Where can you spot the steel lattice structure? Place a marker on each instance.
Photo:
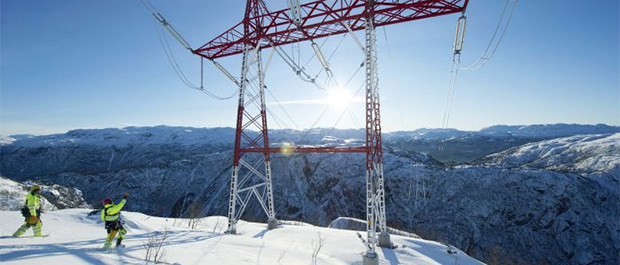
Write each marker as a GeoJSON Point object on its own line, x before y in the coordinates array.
{"type": "Point", "coordinates": [261, 29]}
{"type": "Point", "coordinates": [320, 19]}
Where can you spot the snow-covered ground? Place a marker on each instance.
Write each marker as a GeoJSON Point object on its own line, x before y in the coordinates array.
{"type": "Point", "coordinates": [584, 154]}
{"type": "Point", "coordinates": [76, 238]}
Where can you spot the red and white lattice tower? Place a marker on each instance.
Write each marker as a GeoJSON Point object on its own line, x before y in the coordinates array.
{"type": "Point", "coordinates": [261, 29]}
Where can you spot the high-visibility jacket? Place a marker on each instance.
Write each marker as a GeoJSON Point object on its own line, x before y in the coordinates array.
{"type": "Point", "coordinates": [33, 202]}
{"type": "Point", "coordinates": [111, 212]}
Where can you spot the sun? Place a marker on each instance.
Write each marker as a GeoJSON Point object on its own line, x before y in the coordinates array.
{"type": "Point", "coordinates": [339, 98]}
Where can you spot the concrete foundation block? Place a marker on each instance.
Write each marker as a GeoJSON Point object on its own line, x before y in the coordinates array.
{"type": "Point", "coordinates": [384, 240]}
{"type": "Point", "coordinates": [272, 223]}
{"type": "Point", "coordinates": [370, 259]}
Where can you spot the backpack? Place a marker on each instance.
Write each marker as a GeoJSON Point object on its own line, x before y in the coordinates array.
{"type": "Point", "coordinates": [25, 210]}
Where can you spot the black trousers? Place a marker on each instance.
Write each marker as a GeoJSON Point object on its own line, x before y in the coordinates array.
{"type": "Point", "coordinates": [113, 225]}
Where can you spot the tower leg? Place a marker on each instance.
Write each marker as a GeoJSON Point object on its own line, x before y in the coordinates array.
{"type": "Point", "coordinates": [375, 199]}
{"type": "Point", "coordinates": [251, 172]}
{"type": "Point", "coordinates": [384, 236]}
{"type": "Point", "coordinates": [232, 203]}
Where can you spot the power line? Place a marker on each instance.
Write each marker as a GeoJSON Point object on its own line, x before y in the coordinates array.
{"type": "Point", "coordinates": [161, 36]}
{"type": "Point", "coordinates": [486, 56]}
{"type": "Point", "coordinates": [488, 53]}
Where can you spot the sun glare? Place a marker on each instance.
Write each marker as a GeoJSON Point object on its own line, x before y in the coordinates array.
{"type": "Point", "coordinates": [339, 98]}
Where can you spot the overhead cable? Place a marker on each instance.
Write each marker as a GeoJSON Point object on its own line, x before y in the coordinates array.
{"type": "Point", "coordinates": [488, 53]}
{"type": "Point", "coordinates": [177, 69]}
{"type": "Point", "coordinates": [493, 45]}
{"type": "Point", "coordinates": [172, 60]}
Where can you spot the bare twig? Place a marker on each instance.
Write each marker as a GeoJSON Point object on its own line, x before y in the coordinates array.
{"type": "Point", "coordinates": [154, 246]}
{"type": "Point", "coordinates": [281, 257]}
{"type": "Point", "coordinates": [217, 225]}
{"type": "Point", "coordinates": [316, 247]}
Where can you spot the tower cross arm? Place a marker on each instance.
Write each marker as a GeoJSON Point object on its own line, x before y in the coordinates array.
{"type": "Point", "coordinates": [320, 19]}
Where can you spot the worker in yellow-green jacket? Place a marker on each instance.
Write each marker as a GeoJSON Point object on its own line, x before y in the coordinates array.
{"type": "Point", "coordinates": [111, 215]}
{"type": "Point", "coordinates": [32, 212]}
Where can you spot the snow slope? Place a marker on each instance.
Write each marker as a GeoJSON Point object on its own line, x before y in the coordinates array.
{"type": "Point", "coordinates": [549, 130]}
{"type": "Point", "coordinates": [4, 140]}
{"type": "Point", "coordinates": [76, 238]}
{"type": "Point", "coordinates": [13, 194]}
{"type": "Point", "coordinates": [584, 154]}
{"type": "Point", "coordinates": [54, 196]}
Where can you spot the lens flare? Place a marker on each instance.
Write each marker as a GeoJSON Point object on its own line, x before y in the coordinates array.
{"type": "Point", "coordinates": [287, 149]}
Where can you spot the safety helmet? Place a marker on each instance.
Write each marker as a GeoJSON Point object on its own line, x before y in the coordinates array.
{"type": "Point", "coordinates": [35, 187]}
{"type": "Point", "coordinates": [107, 201]}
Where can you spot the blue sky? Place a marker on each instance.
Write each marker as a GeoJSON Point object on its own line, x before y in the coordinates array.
{"type": "Point", "coordinates": [72, 64]}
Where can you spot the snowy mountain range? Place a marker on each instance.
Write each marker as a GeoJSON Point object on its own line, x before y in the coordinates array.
{"type": "Point", "coordinates": [512, 194]}
{"type": "Point", "coordinates": [450, 145]}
